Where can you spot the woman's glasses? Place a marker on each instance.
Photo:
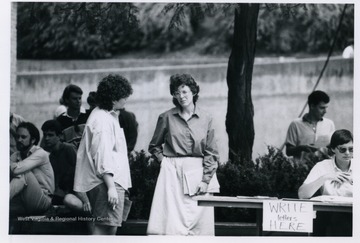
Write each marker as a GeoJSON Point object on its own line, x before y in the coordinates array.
{"type": "Point", "coordinates": [343, 149]}
{"type": "Point", "coordinates": [178, 94]}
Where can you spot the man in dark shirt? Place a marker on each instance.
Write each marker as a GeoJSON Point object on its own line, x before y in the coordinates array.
{"type": "Point", "coordinates": [74, 119]}
{"type": "Point", "coordinates": [62, 158]}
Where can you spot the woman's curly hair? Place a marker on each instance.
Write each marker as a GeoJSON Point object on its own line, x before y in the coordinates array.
{"type": "Point", "coordinates": [112, 88]}
{"type": "Point", "coordinates": [178, 80]}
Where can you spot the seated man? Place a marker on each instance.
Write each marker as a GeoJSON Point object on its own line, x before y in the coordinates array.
{"type": "Point", "coordinates": [74, 119]}
{"type": "Point", "coordinates": [63, 160]}
{"type": "Point", "coordinates": [307, 137]}
{"type": "Point", "coordinates": [32, 177]}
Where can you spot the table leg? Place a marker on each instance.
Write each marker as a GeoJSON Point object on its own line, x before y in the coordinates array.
{"type": "Point", "coordinates": [259, 231]}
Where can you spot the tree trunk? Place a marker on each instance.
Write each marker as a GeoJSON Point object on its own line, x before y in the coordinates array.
{"type": "Point", "coordinates": [240, 111]}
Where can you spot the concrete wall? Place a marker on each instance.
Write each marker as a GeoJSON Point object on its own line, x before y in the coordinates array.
{"type": "Point", "coordinates": [149, 83]}
{"type": "Point", "coordinates": [279, 94]}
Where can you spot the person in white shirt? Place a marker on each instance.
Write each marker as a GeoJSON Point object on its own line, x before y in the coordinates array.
{"type": "Point", "coordinates": [332, 177]}
{"type": "Point", "coordinates": [102, 167]}
{"type": "Point", "coordinates": [32, 177]}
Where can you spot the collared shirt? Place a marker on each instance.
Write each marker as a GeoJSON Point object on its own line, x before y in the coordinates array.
{"type": "Point", "coordinates": [102, 151]}
{"type": "Point", "coordinates": [82, 111]}
{"type": "Point", "coordinates": [37, 161]}
{"type": "Point", "coordinates": [73, 128]}
{"type": "Point", "coordinates": [302, 132]}
{"type": "Point", "coordinates": [175, 137]}
{"type": "Point", "coordinates": [329, 188]}
{"type": "Point", "coordinates": [67, 121]}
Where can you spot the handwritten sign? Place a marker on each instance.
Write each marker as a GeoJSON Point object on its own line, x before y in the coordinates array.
{"type": "Point", "coordinates": [288, 216]}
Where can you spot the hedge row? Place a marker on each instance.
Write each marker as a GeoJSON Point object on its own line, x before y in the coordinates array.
{"type": "Point", "coordinates": [272, 174]}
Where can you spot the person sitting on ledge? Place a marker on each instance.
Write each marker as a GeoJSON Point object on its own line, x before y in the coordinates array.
{"type": "Point", "coordinates": [32, 177]}
{"type": "Point", "coordinates": [63, 161]}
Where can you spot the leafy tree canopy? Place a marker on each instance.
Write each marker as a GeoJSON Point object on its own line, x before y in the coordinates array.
{"type": "Point", "coordinates": [60, 30]}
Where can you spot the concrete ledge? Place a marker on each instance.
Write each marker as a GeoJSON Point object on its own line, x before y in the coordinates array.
{"type": "Point", "coordinates": [138, 227]}
{"type": "Point", "coordinates": [39, 225]}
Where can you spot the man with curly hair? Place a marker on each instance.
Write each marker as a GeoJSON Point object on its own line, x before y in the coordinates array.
{"type": "Point", "coordinates": [102, 168]}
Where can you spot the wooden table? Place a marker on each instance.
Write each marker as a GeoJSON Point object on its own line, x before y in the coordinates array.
{"type": "Point", "coordinates": [257, 203]}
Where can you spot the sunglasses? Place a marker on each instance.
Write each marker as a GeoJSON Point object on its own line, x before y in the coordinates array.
{"type": "Point", "coordinates": [343, 150]}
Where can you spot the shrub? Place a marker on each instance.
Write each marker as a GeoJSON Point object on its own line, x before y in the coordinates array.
{"type": "Point", "coordinates": [272, 174]}
{"type": "Point", "coordinates": [282, 176]}
{"type": "Point", "coordinates": [144, 173]}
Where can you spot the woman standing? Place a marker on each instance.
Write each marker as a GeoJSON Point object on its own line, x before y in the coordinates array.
{"type": "Point", "coordinates": [185, 145]}
{"type": "Point", "coordinates": [102, 166]}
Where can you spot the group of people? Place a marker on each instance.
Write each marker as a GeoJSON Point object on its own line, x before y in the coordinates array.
{"type": "Point", "coordinates": [54, 173]}
{"type": "Point", "coordinates": [313, 140]}
{"type": "Point", "coordinates": [83, 159]}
